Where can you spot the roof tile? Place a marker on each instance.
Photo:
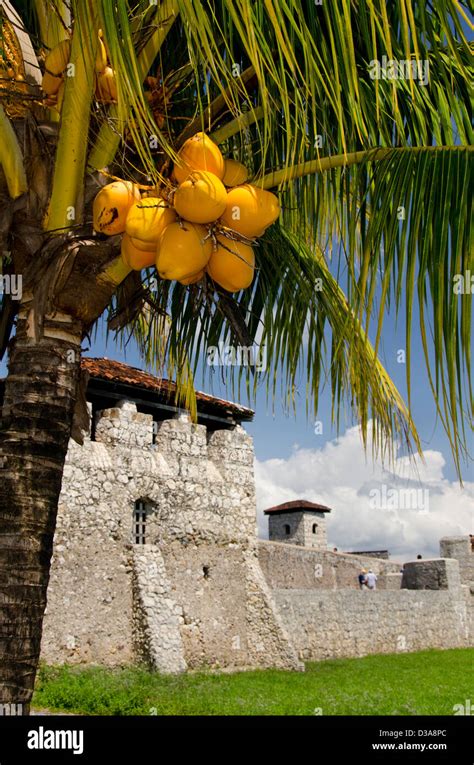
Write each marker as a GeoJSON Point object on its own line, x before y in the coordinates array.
{"type": "Point", "coordinates": [116, 371]}
{"type": "Point", "coordinates": [297, 505]}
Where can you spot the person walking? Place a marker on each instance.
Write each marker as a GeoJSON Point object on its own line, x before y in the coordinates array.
{"type": "Point", "coordinates": [371, 580]}
{"type": "Point", "coordinates": [363, 579]}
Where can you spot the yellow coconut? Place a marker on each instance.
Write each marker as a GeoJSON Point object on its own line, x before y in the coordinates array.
{"type": "Point", "coordinates": [192, 279]}
{"type": "Point", "coordinates": [51, 84]}
{"type": "Point", "coordinates": [101, 57]}
{"type": "Point", "coordinates": [135, 258]}
{"type": "Point", "coordinates": [146, 221]}
{"type": "Point", "coordinates": [58, 58]}
{"type": "Point", "coordinates": [202, 198]}
{"type": "Point", "coordinates": [106, 90]}
{"type": "Point", "coordinates": [111, 206]}
{"type": "Point", "coordinates": [235, 173]}
{"type": "Point", "coordinates": [199, 153]}
{"type": "Point", "coordinates": [250, 210]}
{"type": "Point", "coordinates": [232, 265]}
{"type": "Point", "coordinates": [183, 251]}
{"type": "Point", "coordinates": [144, 246]}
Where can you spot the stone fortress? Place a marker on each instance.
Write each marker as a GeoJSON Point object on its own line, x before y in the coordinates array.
{"type": "Point", "coordinates": [157, 560]}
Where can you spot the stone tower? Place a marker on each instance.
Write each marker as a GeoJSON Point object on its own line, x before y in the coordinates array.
{"type": "Point", "coordinates": [299, 522]}
{"type": "Point", "coordinates": [155, 551]}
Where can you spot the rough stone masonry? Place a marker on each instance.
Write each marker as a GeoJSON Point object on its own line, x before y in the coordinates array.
{"type": "Point", "coordinates": [156, 559]}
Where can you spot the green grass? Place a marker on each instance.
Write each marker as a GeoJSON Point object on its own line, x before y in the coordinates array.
{"type": "Point", "coordinates": [424, 683]}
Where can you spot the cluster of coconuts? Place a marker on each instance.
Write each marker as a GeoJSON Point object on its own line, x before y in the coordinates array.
{"type": "Point", "coordinates": [12, 72]}
{"type": "Point", "coordinates": [55, 66]}
{"type": "Point", "coordinates": [206, 222]}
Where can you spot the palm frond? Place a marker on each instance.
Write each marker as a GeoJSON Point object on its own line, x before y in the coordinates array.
{"type": "Point", "coordinates": [300, 53]}
{"type": "Point", "coordinates": [11, 158]}
{"type": "Point", "coordinates": [65, 206]}
{"type": "Point", "coordinates": [54, 21]}
{"type": "Point", "coordinates": [392, 244]}
{"type": "Point", "coordinates": [294, 311]}
{"type": "Point", "coordinates": [131, 74]}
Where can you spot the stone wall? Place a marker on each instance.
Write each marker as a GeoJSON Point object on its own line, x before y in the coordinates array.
{"type": "Point", "coordinates": [327, 616]}
{"type": "Point", "coordinates": [460, 549]}
{"type": "Point", "coordinates": [431, 574]}
{"type": "Point", "coordinates": [156, 616]}
{"type": "Point", "coordinates": [228, 615]}
{"type": "Point", "coordinates": [286, 527]}
{"type": "Point", "coordinates": [314, 530]}
{"type": "Point", "coordinates": [192, 595]}
{"type": "Point", "coordinates": [88, 615]}
{"type": "Point", "coordinates": [327, 625]}
{"type": "Point", "coordinates": [296, 528]}
{"type": "Point", "coordinates": [291, 566]}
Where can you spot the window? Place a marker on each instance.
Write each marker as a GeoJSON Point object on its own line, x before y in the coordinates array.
{"type": "Point", "coordinates": [139, 525]}
{"type": "Point", "coordinates": [315, 526]}
{"type": "Point", "coordinates": [287, 529]}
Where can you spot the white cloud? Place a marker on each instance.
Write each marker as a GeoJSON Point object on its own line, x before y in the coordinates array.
{"type": "Point", "coordinates": [341, 476]}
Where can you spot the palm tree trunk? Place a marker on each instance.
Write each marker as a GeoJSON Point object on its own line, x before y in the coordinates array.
{"type": "Point", "coordinates": [35, 428]}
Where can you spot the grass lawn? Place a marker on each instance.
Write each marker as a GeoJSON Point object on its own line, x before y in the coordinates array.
{"type": "Point", "coordinates": [424, 683]}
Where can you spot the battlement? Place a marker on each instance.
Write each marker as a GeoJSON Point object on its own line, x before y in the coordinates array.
{"type": "Point", "coordinates": [192, 480]}
{"type": "Point", "coordinates": [460, 548]}
{"type": "Point", "coordinates": [124, 425]}
{"type": "Point", "coordinates": [431, 574]}
{"type": "Point", "coordinates": [176, 438]}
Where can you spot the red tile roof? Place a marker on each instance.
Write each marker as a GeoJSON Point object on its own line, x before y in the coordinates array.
{"type": "Point", "coordinates": [117, 372]}
{"type": "Point", "coordinates": [297, 505]}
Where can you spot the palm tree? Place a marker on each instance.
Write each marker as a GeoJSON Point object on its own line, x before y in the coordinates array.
{"type": "Point", "coordinates": [373, 176]}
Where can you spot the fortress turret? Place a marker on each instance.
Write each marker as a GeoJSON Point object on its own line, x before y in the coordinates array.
{"type": "Point", "coordinates": [299, 522]}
